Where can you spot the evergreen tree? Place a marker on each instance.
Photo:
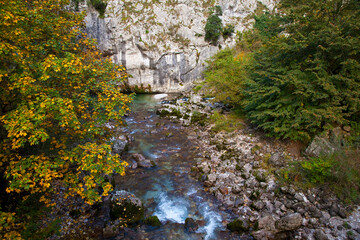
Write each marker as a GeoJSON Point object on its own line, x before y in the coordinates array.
{"type": "Point", "coordinates": [213, 27]}
{"type": "Point", "coordinates": [307, 76]}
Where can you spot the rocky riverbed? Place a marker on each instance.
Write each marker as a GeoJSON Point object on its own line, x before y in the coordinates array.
{"type": "Point", "coordinates": [239, 169]}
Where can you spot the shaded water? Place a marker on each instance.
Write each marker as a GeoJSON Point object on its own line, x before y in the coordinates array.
{"type": "Point", "coordinates": [167, 190]}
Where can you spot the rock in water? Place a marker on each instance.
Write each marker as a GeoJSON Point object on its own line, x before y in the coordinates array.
{"type": "Point", "coordinates": [190, 225]}
{"type": "Point", "coordinates": [142, 161]}
{"type": "Point", "coordinates": [153, 221]}
{"type": "Point", "coordinates": [126, 207]}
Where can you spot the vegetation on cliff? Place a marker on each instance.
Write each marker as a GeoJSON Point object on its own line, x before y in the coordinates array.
{"type": "Point", "coordinates": [58, 95]}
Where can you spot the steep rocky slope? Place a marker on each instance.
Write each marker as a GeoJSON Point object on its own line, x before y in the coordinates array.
{"type": "Point", "coordinates": [161, 42]}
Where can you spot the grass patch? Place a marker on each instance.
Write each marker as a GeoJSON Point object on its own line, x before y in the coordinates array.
{"type": "Point", "coordinates": [226, 122]}
{"type": "Point", "coordinates": [339, 172]}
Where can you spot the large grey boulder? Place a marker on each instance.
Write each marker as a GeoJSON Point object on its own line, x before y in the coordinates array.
{"type": "Point", "coordinates": [120, 145]}
{"type": "Point", "coordinates": [289, 222]}
{"type": "Point", "coordinates": [267, 223]}
{"type": "Point", "coordinates": [320, 146]}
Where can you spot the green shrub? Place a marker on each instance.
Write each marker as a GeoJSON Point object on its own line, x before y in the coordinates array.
{"type": "Point", "coordinates": [226, 75]}
{"type": "Point", "coordinates": [228, 30]}
{"type": "Point", "coordinates": [213, 29]}
{"type": "Point", "coordinates": [248, 40]}
{"type": "Point", "coordinates": [227, 123]}
{"type": "Point", "coordinates": [354, 138]}
{"type": "Point", "coordinates": [339, 172]}
{"type": "Point", "coordinates": [318, 170]}
{"type": "Point", "coordinates": [100, 6]}
{"type": "Point", "coordinates": [218, 10]}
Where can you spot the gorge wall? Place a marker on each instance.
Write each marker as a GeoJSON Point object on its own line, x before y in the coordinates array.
{"type": "Point", "coordinates": [161, 42]}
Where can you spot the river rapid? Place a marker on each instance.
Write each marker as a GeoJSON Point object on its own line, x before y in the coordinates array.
{"type": "Point", "coordinates": [167, 190]}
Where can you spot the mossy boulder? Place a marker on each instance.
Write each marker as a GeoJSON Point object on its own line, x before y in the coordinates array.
{"type": "Point", "coordinates": [199, 118]}
{"type": "Point", "coordinates": [163, 112]}
{"type": "Point", "coordinates": [126, 207]}
{"type": "Point", "coordinates": [238, 225]}
{"type": "Point", "coordinates": [153, 221]}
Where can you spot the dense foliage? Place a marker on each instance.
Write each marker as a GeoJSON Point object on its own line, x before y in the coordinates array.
{"type": "Point", "coordinates": [303, 68]}
{"type": "Point", "coordinates": [306, 75]}
{"type": "Point", "coordinates": [226, 75]}
{"type": "Point", "coordinates": [57, 95]}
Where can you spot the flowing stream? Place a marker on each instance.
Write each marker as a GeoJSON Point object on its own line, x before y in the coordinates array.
{"type": "Point", "coordinates": [167, 190]}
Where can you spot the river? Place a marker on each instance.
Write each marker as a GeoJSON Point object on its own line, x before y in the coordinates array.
{"type": "Point", "coordinates": [167, 190]}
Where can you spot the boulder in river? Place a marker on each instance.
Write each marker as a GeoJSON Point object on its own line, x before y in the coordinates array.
{"type": "Point", "coordinates": [126, 207]}
{"type": "Point", "coordinates": [153, 221]}
{"type": "Point", "coordinates": [142, 161]}
{"type": "Point", "coordinates": [120, 144]}
{"type": "Point", "coordinates": [190, 225]}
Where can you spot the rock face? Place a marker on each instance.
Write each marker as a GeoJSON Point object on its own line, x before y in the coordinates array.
{"type": "Point", "coordinates": [161, 43]}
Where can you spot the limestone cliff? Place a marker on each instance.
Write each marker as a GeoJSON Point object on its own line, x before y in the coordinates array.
{"type": "Point", "coordinates": [161, 42]}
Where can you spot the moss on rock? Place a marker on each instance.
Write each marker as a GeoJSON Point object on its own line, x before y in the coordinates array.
{"type": "Point", "coordinates": [153, 221]}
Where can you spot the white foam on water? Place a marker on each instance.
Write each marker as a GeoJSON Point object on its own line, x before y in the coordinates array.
{"type": "Point", "coordinates": [174, 210]}
{"type": "Point", "coordinates": [213, 221]}
{"type": "Point", "coordinates": [191, 191]}
{"type": "Point", "coordinates": [160, 96]}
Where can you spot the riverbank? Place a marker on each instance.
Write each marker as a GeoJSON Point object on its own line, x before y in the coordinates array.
{"type": "Point", "coordinates": [239, 168]}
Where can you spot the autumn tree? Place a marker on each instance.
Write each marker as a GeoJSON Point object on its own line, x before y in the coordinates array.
{"type": "Point", "coordinates": [58, 99]}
